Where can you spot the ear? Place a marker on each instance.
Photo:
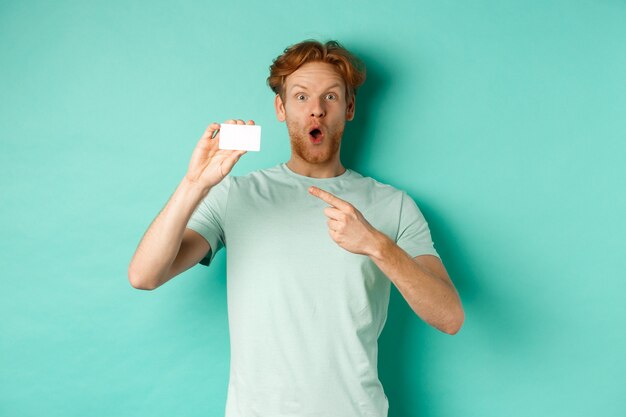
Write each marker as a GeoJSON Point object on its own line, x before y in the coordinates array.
{"type": "Point", "coordinates": [280, 108]}
{"type": "Point", "coordinates": [350, 109]}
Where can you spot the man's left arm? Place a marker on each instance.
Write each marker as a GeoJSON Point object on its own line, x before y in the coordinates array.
{"type": "Point", "coordinates": [423, 281]}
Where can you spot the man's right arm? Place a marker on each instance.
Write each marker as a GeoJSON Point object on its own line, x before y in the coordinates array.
{"type": "Point", "coordinates": [168, 246]}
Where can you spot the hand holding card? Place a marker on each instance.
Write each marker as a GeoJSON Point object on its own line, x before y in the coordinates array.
{"type": "Point", "coordinates": [240, 137]}
{"type": "Point", "coordinates": [209, 164]}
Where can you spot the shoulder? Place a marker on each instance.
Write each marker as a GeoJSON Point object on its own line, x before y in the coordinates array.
{"type": "Point", "coordinates": [235, 184]}
{"type": "Point", "coordinates": [373, 196]}
{"type": "Point", "coordinates": [375, 187]}
{"type": "Point", "coordinates": [255, 177]}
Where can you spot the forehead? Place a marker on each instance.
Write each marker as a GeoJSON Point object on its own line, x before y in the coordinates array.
{"type": "Point", "coordinates": [314, 75]}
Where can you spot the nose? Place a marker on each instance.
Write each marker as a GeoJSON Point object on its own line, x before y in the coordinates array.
{"type": "Point", "coordinates": [317, 108]}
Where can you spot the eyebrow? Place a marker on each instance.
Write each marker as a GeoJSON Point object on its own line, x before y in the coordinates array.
{"type": "Point", "coordinates": [337, 85]}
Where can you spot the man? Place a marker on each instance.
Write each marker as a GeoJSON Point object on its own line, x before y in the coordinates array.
{"type": "Point", "coordinates": [312, 250]}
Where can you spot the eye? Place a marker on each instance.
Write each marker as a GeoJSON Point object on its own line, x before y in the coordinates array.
{"type": "Point", "coordinates": [331, 96]}
{"type": "Point", "coordinates": [300, 97]}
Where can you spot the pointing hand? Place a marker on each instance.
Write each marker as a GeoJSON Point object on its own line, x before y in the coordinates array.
{"type": "Point", "coordinates": [346, 225]}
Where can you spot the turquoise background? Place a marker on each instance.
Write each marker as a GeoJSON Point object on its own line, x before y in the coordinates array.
{"type": "Point", "coordinates": [504, 120]}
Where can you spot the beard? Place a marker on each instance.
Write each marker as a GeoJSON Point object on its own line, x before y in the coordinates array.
{"type": "Point", "coordinates": [314, 154]}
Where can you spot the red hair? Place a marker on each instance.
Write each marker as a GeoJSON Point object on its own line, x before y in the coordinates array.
{"type": "Point", "coordinates": [348, 66]}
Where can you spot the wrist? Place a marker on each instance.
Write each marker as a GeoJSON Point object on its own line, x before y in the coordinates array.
{"type": "Point", "coordinates": [380, 245]}
{"type": "Point", "coordinates": [194, 187]}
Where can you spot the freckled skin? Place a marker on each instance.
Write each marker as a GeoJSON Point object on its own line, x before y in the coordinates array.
{"type": "Point", "coordinates": [315, 94]}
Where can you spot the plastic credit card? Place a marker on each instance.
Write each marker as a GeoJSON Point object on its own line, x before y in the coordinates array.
{"type": "Point", "coordinates": [240, 137]}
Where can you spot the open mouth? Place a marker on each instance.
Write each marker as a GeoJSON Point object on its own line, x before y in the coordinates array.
{"type": "Point", "coordinates": [315, 135]}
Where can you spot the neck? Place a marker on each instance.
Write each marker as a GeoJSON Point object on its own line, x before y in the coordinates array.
{"type": "Point", "coordinates": [329, 169]}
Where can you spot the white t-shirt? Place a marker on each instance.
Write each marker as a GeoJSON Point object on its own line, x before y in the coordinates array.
{"type": "Point", "coordinates": [304, 314]}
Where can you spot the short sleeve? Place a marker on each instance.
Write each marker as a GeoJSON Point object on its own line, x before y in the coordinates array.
{"type": "Point", "coordinates": [413, 232]}
{"type": "Point", "coordinates": [209, 217]}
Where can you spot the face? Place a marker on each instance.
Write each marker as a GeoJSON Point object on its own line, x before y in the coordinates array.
{"type": "Point", "coordinates": [315, 108]}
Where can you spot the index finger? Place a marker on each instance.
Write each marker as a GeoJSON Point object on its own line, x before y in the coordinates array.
{"type": "Point", "coordinates": [209, 132]}
{"type": "Point", "coordinates": [329, 198]}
